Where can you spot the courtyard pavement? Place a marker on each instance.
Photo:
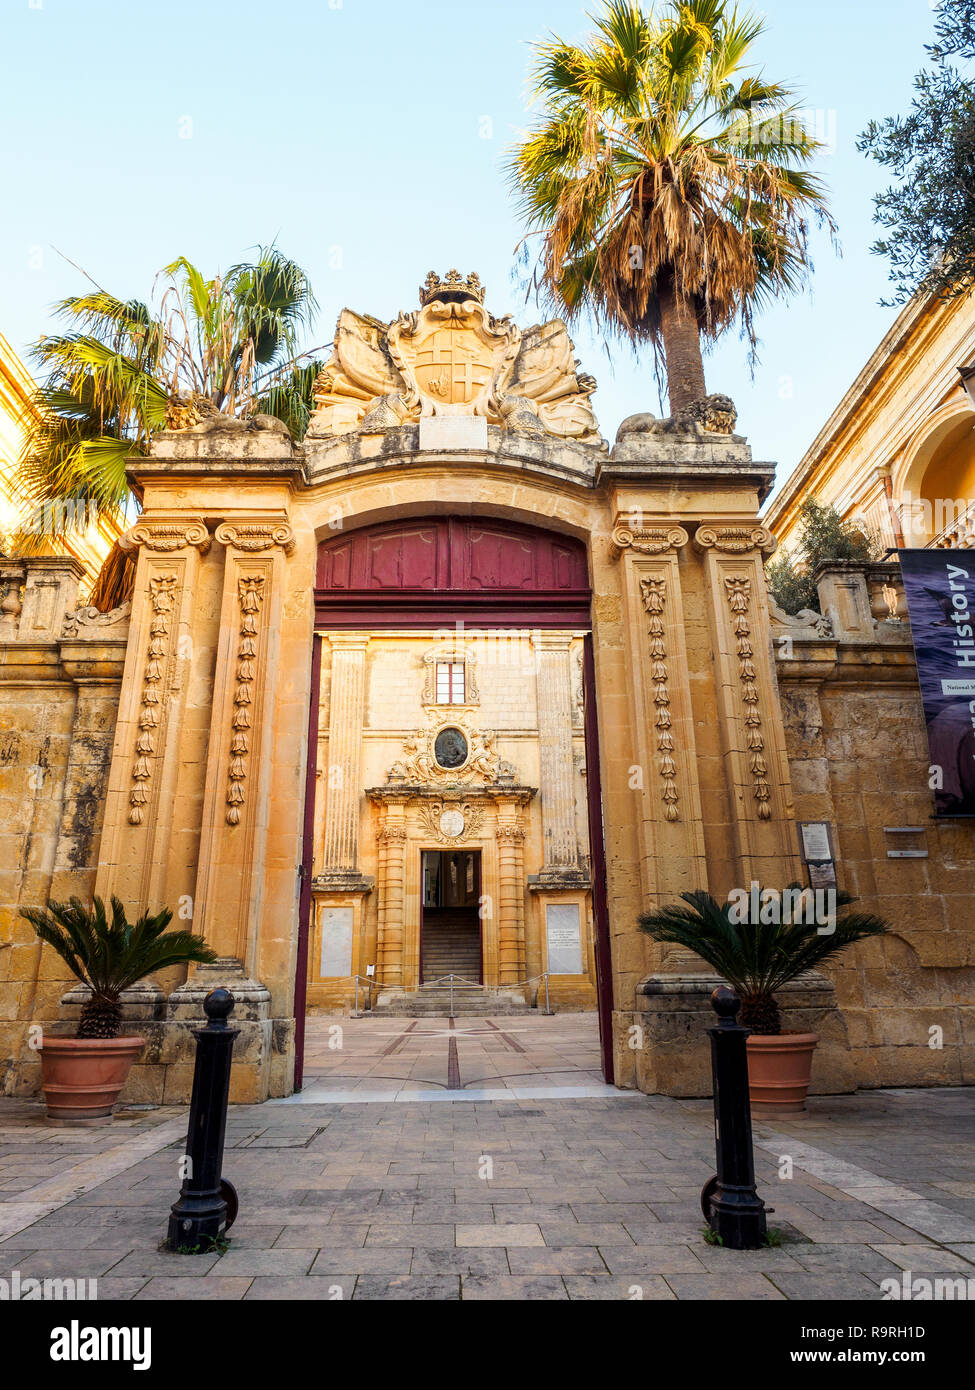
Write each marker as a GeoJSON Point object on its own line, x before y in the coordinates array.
{"type": "Point", "coordinates": [486, 1160]}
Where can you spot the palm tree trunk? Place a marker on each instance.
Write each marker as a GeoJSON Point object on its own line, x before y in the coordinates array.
{"type": "Point", "coordinates": [682, 349]}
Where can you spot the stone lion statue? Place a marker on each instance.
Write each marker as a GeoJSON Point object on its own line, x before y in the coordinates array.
{"type": "Point", "coordinates": [715, 414]}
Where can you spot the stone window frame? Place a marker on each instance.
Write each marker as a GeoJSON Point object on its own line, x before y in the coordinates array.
{"type": "Point", "coordinates": [452, 653]}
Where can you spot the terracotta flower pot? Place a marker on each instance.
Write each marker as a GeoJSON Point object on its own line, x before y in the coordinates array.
{"type": "Point", "coordinates": [82, 1077]}
{"type": "Point", "coordinates": [778, 1072]}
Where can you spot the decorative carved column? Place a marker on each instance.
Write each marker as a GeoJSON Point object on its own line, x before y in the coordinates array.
{"type": "Point", "coordinates": [340, 850]}
{"type": "Point", "coordinates": [664, 777]}
{"type": "Point", "coordinates": [510, 835]}
{"type": "Point", "coordinates": [235, 829]}
{"type": "Point", "coordinates": [558, 790]}
{"type": "Point", "coordinates": [753, 736]}
{"type": "Point", "coordinates": [145, 777]}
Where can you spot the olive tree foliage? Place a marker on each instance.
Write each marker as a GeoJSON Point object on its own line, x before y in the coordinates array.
{"type": "Point", "coordinates": [928, 213]}
{"type": "Point", "coordinates": [823, 536]}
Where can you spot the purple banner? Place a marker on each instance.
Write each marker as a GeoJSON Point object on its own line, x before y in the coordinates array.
{"type": "Point", "coordinates": [940, 588]}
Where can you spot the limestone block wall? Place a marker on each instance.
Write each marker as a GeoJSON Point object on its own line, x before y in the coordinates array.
{"type": "Point", "coordinates": [59, 691]}
{"type": "Point", "coordinates": [858, 757]}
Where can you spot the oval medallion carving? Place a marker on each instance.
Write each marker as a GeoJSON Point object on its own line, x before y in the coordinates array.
{"type": "Point", "coordinates": [452, 824]}
{"type": "Point", "coordinates": [450, 748]}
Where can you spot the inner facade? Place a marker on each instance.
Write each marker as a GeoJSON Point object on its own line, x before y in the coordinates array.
{"type": "Point", "coordinates": [451, 817]}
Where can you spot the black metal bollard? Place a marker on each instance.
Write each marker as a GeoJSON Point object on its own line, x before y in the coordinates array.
{"type": "Point", "coordinates": [733, 1207]}
{"type": "Point", "coordinates": [207, 1203]}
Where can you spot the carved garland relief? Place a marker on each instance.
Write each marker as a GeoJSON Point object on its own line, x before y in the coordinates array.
{"type": "Point", "coordinates": [654, 592]}
{"type": "Point", "coordinates": [738, 592]}
{"type": "Point", "coordinates": [163, 592]}
{"type": "Point", "coordinates": [250, 597]}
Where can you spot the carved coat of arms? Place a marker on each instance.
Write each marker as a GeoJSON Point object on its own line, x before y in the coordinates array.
{"type": "Point", "coordinates": [452, 357]}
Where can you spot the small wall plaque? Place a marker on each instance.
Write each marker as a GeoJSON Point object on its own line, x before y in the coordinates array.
{"type": "Point", "coordinates": [905, 842]}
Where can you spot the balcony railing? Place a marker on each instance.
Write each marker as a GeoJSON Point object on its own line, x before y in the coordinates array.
{"type": "Point", "coordinates": [959, 534]}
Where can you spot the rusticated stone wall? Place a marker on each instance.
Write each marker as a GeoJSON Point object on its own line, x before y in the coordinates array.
{"type": "Point", "coordinates": [59, 688]}
{"type": "Point", "coordinates": [858, 756]}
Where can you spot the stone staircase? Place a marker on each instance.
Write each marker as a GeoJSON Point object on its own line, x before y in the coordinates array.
{"type": "Point", "coordinates": [451, 946]}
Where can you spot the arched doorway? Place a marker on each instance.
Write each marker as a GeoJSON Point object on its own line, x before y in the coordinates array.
{"type": "Point", "coordinates": [445, 602]}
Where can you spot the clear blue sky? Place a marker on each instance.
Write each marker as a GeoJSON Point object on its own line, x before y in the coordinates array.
{"type": "Point", "coordinates": [367, 137]}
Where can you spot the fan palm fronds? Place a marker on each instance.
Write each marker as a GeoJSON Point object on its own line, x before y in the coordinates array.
{"type": "Point", "coordinates": [666, 179]}
{"type": "Point", "coordinates": [109, 378]}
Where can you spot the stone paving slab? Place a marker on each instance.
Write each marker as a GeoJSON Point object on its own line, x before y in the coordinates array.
{"type": "Point", "coordinates": [590, 1198]}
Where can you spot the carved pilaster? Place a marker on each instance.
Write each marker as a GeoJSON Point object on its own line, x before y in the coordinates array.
{"type": "Point", "coordinates": [664, 774]}
{"type": "Point", "coordinates": [235, 829]}
{"type": "Point", "coordinates": [756, 771]}
{"type": "Point", "coordinates": [654, 593]}
{"type": "Point", "coordinates": [146, 781]}
{"type": "Point", "coordinates": [250, 597]}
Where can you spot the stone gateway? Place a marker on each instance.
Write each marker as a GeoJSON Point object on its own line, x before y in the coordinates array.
{"type": "Point", "coordinates": [454, 689]}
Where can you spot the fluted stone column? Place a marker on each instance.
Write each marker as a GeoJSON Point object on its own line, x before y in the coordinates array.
{"type": "Point", "coordinates": [511, 901]}
{"type": "Point", "coordinates": [340, 850]}
{"type": "Point", "coordinates": [554, 687]}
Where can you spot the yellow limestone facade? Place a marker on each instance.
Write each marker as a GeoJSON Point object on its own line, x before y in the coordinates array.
{"type": "Point", "coordinates": [169, 753]}
{"type": "Point", "coordinates": [897, 455]}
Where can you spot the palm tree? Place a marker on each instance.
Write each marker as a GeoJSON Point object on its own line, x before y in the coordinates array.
{"type": "Point", "coordinates": [109, 957]}
{"type": "Point", "coordinates": [666, 182]}
{"type": "Point", "coordinates": [111, 377]}
{"type": "Point", "coordinates": [757, 958]}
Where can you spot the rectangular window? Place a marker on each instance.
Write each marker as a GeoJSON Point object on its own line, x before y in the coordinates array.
{"type": "Point", "coordinates": [450, 683]}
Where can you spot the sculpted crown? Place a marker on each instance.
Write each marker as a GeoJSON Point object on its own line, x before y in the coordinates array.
{"type": "Point", "coordinates": [453, 288]}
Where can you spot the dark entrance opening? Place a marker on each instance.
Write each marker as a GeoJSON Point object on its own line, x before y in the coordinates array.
{"type": "Point", "coordinates": [450, 927]}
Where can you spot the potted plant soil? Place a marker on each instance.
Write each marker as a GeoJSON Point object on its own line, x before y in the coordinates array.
{"type": "Point", "coordinates": [757, 958]}
{"type": "Point", "coordinates": [82, 1076]}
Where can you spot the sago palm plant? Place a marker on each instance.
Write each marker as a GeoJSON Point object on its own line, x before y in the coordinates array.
{"type": "Point", "coordinates": [666, 178]}
{"type": "Point", "coordinates": [109, 956]}
{"type": "Point", "coordinates": [109, 378]}
{"type": "Point", "coordinates": [757, 958]}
